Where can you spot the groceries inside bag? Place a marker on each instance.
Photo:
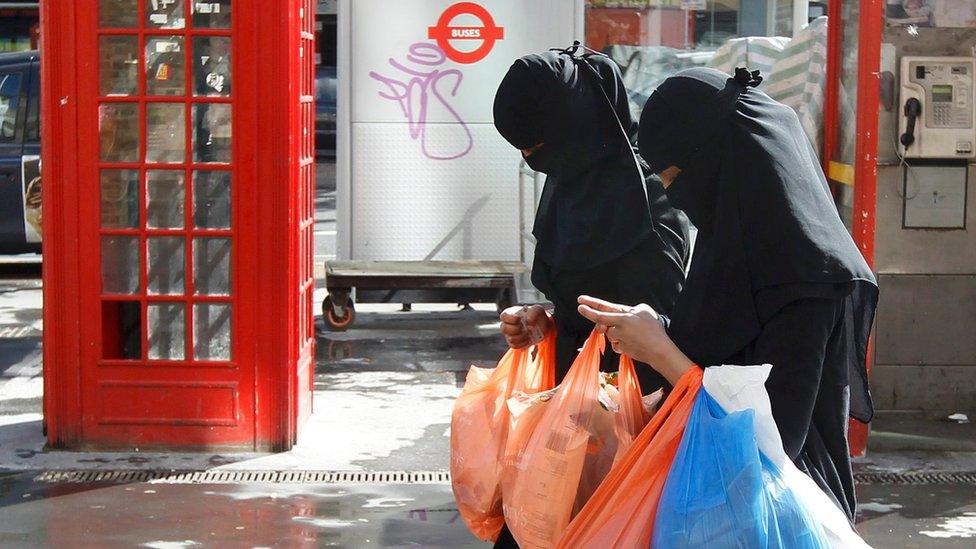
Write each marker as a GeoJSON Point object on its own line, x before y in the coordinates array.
{"type": "Point", "coordinates": [562, 443]}
{"type": "Point", "coordinates": [479, 430]}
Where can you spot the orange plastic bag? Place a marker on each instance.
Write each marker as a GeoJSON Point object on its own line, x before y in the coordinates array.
{"type": "Point", "coordinates": [479, 429]}
{"type": "Point", "coordinates": [635, 410]}
{"type": "Point", "coordinates": [561, 446]}
{"type": "Point", "coordinates": [621, 512]}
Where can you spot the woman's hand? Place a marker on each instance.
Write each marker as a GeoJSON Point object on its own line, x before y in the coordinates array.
{"type": "Point", "coordinates": [638, 333]}
{"type": "Point", "coordinates": [525, 325]}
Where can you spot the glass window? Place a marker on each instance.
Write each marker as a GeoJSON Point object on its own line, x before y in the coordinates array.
{"type": "Point", "coordinates": [211, 199]}
{"type": "Point", "coordinates": [117, 13]}
{"type": "Point", "coordinates": [211, 66]}
{"type": "Point", "coordinates": [120, 199]}
{"type": "Point", "coordinates": [212, 331]}
{"type": "Point", "coordinates": [165, 66]}
{"type": "Point", "coordinates": [167, 326]}
{"type": "Point", "coordinates": [10, 84]}
{"type": "Point", "coordinates": [118, 65]}
{"type": "Point", "coordinates": [211, 266]}
{"type": "Point", "coordinates": [165, 193]}
{"type": "Point", "coordinates": [165, 132]}
{"type": "Point", "coordinates": [213, 14]}
{"type": "Point", "coordinates": [118, 131]}
{"type": "Point", "coordinates": [33, 124]}
{"type": "Point", "coordinates": [120, 265]}
{"type": "Point", "coordinates": [165, 14]}
{"type": "Point", "coordinates": [211, 132]}
{"type": "Point", "coordinates": [167, 265]}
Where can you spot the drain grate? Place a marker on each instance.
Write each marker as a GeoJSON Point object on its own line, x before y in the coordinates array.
{"type": "Point", "coordinates": [232, 476]}
{"type": "Point", "coordinates": [915, 478]}
{"type": "Point", "coordinates": [222, 476]}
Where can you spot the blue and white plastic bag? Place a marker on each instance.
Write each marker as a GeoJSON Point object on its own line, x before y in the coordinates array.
{"type": "Point", "coordinates": [732, 485]}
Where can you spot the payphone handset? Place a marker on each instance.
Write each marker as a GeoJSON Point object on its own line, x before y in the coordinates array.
{"type": "Point", "coordinates": [937, 111]}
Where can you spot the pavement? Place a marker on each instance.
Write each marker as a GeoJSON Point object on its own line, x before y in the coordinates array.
{"type": "Point", "coordinates": [383, 397]}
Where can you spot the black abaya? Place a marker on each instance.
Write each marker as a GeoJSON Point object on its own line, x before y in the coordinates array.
{"type": "Point", "coordinates": [776, 277]}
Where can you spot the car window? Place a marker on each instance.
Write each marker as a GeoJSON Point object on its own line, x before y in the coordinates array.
{"type": "Point", "coordinates": [10, 84]}
{"type": "Point", "coordinates": [33, 123]}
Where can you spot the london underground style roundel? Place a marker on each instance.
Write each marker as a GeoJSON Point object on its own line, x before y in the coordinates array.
{"type": "Point", "coordinates": [445, 33]}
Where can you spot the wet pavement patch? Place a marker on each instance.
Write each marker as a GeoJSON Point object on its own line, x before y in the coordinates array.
{"type": "Point", "coordinates": [915, 515]}
{"type": "Point", "coordinates": [253, 515]}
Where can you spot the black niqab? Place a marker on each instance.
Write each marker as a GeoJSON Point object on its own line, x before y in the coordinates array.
{"type": "Point", "coordinates": [769, 232]}
{"type": "Point", "coordinates": [593, 208]}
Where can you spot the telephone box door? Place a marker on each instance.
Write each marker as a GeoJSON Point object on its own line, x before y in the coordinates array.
{"type": "Point", "coordinates": [162, 225]}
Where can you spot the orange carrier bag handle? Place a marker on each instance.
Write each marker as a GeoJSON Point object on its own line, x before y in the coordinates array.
{"type": "Point", "coordinates": [621, 512]}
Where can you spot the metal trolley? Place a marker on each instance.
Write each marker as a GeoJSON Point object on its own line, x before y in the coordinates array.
{"type": "Point", "coordinates": [503, 283]}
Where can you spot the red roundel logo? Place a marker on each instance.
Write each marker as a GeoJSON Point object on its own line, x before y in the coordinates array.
{"type": "Point", "coordinates": [445, 33]}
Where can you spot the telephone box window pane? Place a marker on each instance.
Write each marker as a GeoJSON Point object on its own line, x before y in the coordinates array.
{"type": "Point", "coordinates": [166, 265]}
{"type": "Point", "coordinates": [167, 329]}
{"type": "Point", "coordinates": [165, 132]}
{"type": "Point", "coordinates": [121, 330]}
{"type": "Point", "coordinates": [211, 331]}
{"type": "Point", "coordinates": [212, 14]}
{"type": "Point", "coordinates": [120, 199]}
{"type": "Point", "coordinates": [211, 199]}
{"type": "Point", "coordinates": [120, 265]}
{"type": "Point", "coordinates": [211, 132]}
{"type": "Point", "coordinates": [165, 14]}
{"type": "Point", "coordinates": [211, 266]}
{"type": "Point", "coordinates": [165, 66]}
{"type": "Point", "coordinates": [118, 131]}
{"type": "Point", "coordinates": [118, 65]}
{"type": "Point", "coordinates": [113, 14]}
{"type": "Point", "coordinates": [211, 66]}
{"type": "Point", "coordinates": [166, 195]}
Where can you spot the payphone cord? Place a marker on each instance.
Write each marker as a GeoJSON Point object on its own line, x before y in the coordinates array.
{"type": "Point", "coordinates": [911, 173]}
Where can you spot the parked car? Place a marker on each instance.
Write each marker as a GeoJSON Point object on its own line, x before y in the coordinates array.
{"type": "Point", "coordinates": [325, 112]}
{"type": "Point", "coordinates": [20, 149]}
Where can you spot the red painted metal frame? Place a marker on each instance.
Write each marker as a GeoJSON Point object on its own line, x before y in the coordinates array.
{"type": "Point", "coordinates": [871, 26]}
{"type": "Point", "coordinates": [272, 362]}
{"type": "Point", "coordinates": [835, 38]}
{"type": "Point", "coordinates": [59, 145]}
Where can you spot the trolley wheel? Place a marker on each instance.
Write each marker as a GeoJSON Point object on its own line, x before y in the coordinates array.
{"type": "Point", "coordinates": [333, 320]}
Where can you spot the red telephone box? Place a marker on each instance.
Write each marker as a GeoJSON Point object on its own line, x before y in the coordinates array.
{"type": "Point", "coordinates": [178, 140]}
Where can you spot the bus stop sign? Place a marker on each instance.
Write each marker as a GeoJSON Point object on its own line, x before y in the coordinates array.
{"type": "Point", "coordinates": [444, 32]}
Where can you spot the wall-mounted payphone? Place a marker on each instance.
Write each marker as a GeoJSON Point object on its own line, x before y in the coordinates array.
{"type": "Point", "coordinates": [937, 108]}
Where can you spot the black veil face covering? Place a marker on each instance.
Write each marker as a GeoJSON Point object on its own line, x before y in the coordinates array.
{"type": "Point", "coordinates": [548, 98]}
{"type": "Point", "coordinates": [753, 186]}
{"type": "Point", "coordinates": [594, 208]}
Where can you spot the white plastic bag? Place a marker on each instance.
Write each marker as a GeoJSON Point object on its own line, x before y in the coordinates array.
{"type": "Point", "coordinates": [738, 388]}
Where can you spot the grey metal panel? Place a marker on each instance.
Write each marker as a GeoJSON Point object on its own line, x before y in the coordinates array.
{"type": "Point", "coordinates": [407, 208]}
{"type": "Point", "coordinates": [927, 320]}
{"type": "Point", "coordinates": [927, 388]}
{"type": "Point", "coordinates": [920, 251]}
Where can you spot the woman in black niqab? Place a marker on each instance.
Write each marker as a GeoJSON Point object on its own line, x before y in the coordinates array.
{"type": "Point", "coordinates": [774, 278]}
{"type": "Point", "coordinates": [596, 230]}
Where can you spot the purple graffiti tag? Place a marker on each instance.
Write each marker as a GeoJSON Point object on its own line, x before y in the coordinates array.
{"type": "Point", "coordinates": [418, 87]}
